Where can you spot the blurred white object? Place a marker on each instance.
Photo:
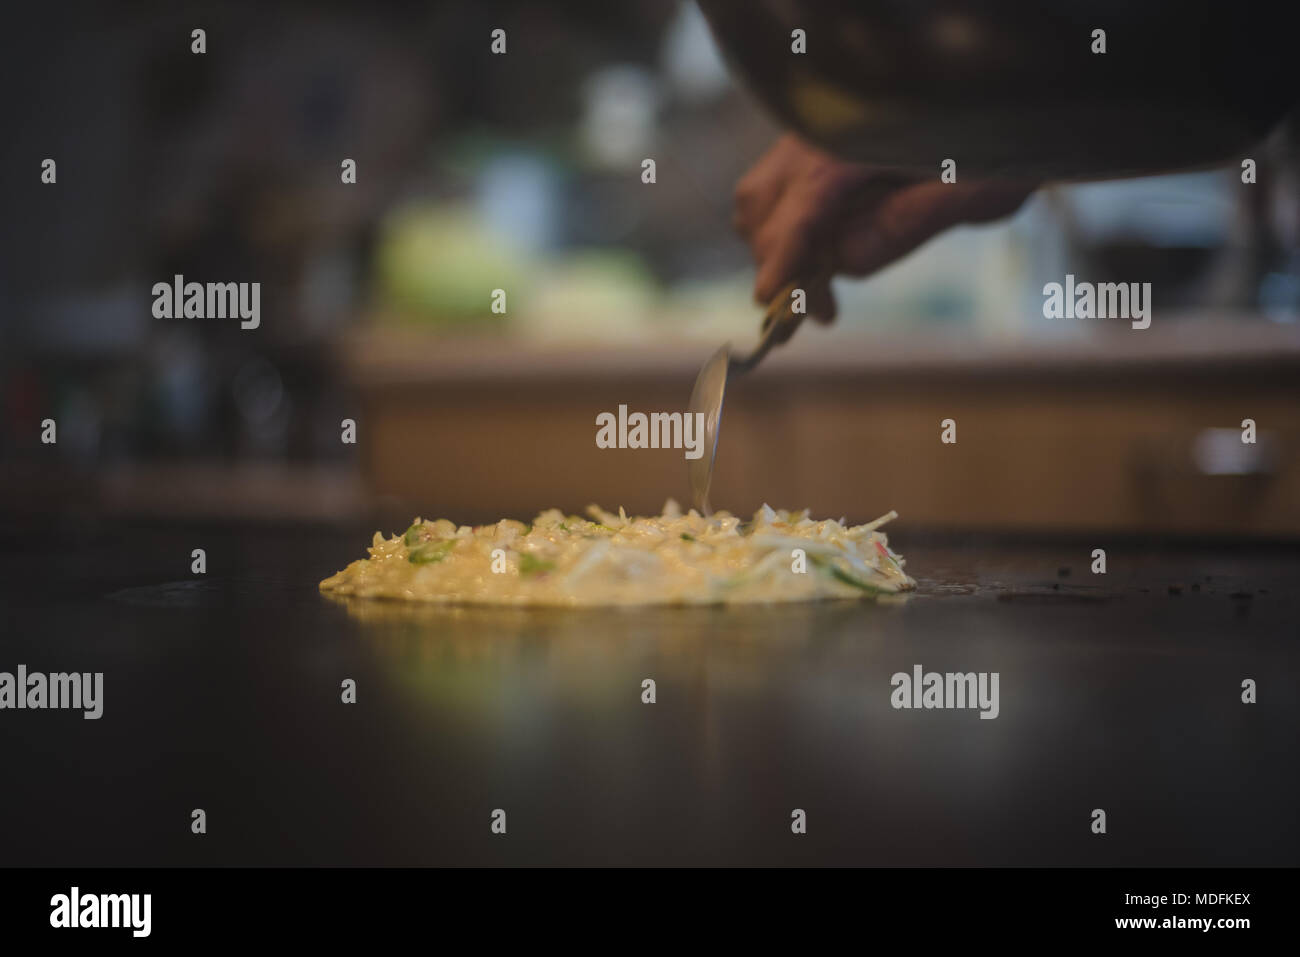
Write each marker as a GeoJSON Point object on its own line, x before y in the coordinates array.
{"type": "Point", "coordinates": [517, 201]}
{"type": "Point", "coordinates": [690, 59]}
{"type": "Point", "coordinates": [618, 118]}
{"type": "Point", "coordinates": [1181, 209]}
{"type": "Point", "coordinates": [1222, 452]}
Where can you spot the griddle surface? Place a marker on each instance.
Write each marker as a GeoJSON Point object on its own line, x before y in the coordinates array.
{"type": "Point", "coordinates": [223, 692]}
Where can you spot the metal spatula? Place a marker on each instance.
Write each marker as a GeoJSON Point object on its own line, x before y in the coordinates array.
{"type": "Point", "coordinates": [779, 324]}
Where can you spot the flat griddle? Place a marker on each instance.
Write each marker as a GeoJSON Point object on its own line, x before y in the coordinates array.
{"type": "Point", "coordinates": [222, 692]}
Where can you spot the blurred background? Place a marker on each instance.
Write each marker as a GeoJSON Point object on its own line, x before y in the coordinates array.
{"type": "Point", "coordinates": [523, 172]}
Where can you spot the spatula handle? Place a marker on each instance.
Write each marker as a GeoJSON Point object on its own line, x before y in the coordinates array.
{"type": "Point", "coordinates": [780, 322]}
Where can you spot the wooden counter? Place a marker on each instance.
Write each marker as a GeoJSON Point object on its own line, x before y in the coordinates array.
{"type": "Point", "coordinates": [1096, 434]}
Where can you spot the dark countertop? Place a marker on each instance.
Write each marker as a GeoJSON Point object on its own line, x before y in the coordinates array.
{"type": "Point", "coordinates": [223, 692]}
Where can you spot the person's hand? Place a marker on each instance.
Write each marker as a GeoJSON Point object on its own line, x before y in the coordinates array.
{"type": "Point", "coordinates": [804, 213]}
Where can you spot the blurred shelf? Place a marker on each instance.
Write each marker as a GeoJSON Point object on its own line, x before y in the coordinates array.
{"type": "Point", "coordinates": [1092, 436]}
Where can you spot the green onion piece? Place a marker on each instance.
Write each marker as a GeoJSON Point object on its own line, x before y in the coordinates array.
{"type": "Point", "coordinates": [530, 564]}
{"type": "Point", "coordinates": [431, 552]}
{"type": "Point", "coordinates": [686, 537]}
{"type": "Point", "coordinates": [853, 580]}
{"type": "Point", "coordinates": [412, 535]}
{"type": "Point", "coordinates": [840, 574]}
